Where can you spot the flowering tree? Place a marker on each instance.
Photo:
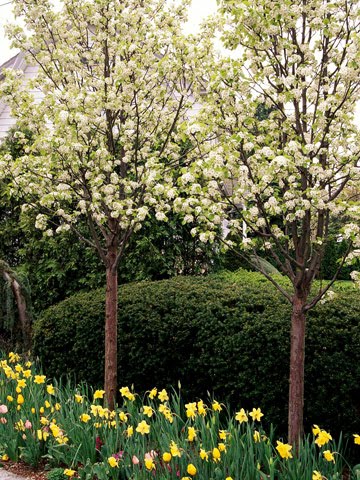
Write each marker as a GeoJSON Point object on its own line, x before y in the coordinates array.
{"type": "Point", "coordinates": [287, 153]}
{"type": "Point", "coordinates": [116, 82]}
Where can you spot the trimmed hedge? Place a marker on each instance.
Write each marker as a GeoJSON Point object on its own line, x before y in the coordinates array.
{"type": "Point", "coordinates": [213, 334]}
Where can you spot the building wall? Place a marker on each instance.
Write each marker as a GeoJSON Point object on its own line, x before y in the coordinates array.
{"type": "Point", "coordinates": [17, 62]}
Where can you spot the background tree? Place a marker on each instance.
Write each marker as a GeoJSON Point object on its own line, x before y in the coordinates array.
{"type": "Point", "coordinates": [285, 174]}
{"type": "Point", "coordinates": [116, 81]}
{"type": "Point", "coordinates": [15, 302]}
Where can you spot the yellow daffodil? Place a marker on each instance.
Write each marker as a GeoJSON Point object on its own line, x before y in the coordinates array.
{"type": "Point", "coordinates": [191, 469]}
{"type": "Point", "coordinates": [125, 392]}
{"type": "Point", "coordinates": [201, 408]}
{"type": "Point", "coordinates": [20, 426]}
{"type": "Point", "coordinates": [241, 416]}
{"type": "Point", "coordinates": [149, 464]}
{"type": "Point", "coordinates": [148, 411]}
{"type": "Point", "coordinates": [163, 396]}
{"type": "Point", "coordinates": [256, 414]}
{"type": "Point", "coordinates": [55, 430]}
{"type": "Point", "coordinates": [167, 457]}
{"type": "Point", "coordinates": [191, 410]}
{"type": "Point", "coordinates": [84, 417]}
{"type": "Point", "coordinates": [316, 430]}
{"type": "Point", "coordinates": [329, 456]}
{"type": "Point", "coordinates": [323, 438]}
{"type": "Point", "coordinates": [13, 357]}
{"type": "Point", "coordinates": [203, 454]}
{"type": "Point", "coordinates": [356, 438]}
{"type": "Point", "coordinates": [216, 455]}
{"type": "Point", "coordinates": [42, 435]}
{"type": "Point", "coordinates": [44, 421]}
{"type": "Point", "coordinates": [21, 383]}
{"type": "Point", "coordinates": [284, 450]}
{"type": "Point", "coordinates": [99, 394]}
{"type": "Point", "coordinates": [153, 393]}
{"type": "Point", "coordinates": [69, 472]}
{"type": "Point", "coordinates": [129, 431]}
{"type": "Point", "coordinates": [166, 412]}
{"type": "Point", "coordinates": [216, 406]}
{"type": "Point", "coordinates": [222, 447]}
{"type": "Point", "coordinates": [143, 428]}
{"type": "Point", "coordinates": [39, 379]}
{"type": "Point", "coordinates": [50, 389]}
{"type": "Point", "coordinates": [62, 440]}
{"type": "Point", "coordinates": [113, 462]}
{"type": "Point", "coordinates": [256, 436]}
{"type": "Point", "coordinates": [20, 399]}
{"type": "Point", "coordinates": [123, 417]}
{"type": "Point", "coordinates": [191, 434]}
{"type": "Point", "coordinates": [174, 449]}
{"type": "Point", "coordinates": [316, 475]}
{"type": "Point", "coordinates": [78, 398]}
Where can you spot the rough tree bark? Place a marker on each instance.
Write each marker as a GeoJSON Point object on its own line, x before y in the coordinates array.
{"type": "Point", "coordinates": [296, 376]}
{"type": "Point", "coordinates": [111, 302]}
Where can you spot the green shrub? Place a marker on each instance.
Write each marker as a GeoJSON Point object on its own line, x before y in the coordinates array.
{"type": "Point", "coordinates": [56, 474]}
{"type": "Point", "coordinates": [228, 335]}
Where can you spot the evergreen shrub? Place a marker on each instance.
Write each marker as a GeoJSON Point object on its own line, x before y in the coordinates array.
{"type": "Point", "coordinates": [225, 335]}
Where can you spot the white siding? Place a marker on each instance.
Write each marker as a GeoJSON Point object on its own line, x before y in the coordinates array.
{"type": "Point", "coordinates": [6, 121]}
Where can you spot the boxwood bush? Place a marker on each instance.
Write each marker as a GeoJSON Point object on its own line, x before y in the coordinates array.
{"type": "Point", "coordinates": [225, 335]}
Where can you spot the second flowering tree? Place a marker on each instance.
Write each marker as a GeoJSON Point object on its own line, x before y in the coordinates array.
{"type": "Point", "coordinates": [284, 171]}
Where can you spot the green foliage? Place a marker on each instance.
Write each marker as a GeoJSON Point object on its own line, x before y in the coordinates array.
{"type": "Point", "coordinates": [56, 474]}
{"type": "Point", "coordinates": [333, 252]}
{"type": "Point", "coordinates": [66, 265]}
{"type": "Point", "coordinates": [227, 334]}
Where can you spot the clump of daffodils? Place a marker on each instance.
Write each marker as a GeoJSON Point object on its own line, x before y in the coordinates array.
{"type": "Point", "coordinates": [151, 435]}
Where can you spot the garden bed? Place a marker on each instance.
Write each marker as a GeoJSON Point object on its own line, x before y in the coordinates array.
{"type": "Point", "coordinates": [146, 435]}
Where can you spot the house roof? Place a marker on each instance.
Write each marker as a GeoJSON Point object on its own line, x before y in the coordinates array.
{"type": "Point", "coordinates": [17, 61]}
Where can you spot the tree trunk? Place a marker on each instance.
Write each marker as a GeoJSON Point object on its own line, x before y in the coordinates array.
{"type": "Point", "coordinates": [24, 317]}
{"type": "Point", "coordinates": [111, 302]}
{"type": "Point", "coordinates": [23, 314]}
{"type": "Point", "coordinates": [296, 378]}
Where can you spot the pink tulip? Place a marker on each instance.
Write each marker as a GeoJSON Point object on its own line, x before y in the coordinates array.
{"type": "Point", "coordinates": [3, 409]}
{"type": "Point", "coordinates": [28, 424]}
{"type": "Point", "coordinates": [151, 455]}
{"type": "Point", "coordinates": [135, 460]}
{"type": "Point", "coordinates": [3, 420]}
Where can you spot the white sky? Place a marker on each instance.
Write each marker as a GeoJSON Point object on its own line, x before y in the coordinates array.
{"type": "Point", "coordinates": [199, 10]}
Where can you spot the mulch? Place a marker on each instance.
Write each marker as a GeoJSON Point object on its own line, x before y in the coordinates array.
{"type": "Point", "coordinates": [24, 470]}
